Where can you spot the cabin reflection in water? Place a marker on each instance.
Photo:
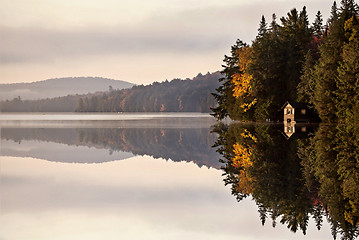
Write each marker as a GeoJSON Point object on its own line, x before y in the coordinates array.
{"type": "Point", "coordinates": [297, 130]}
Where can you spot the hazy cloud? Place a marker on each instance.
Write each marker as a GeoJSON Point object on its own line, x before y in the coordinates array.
{"type": "Point", "coordinates": [175, 32]}
{"type": "Point", "coordinates": [193, 30]}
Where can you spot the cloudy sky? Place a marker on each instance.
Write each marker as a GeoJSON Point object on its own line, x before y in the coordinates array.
{"type": "Point", "coordinates": [140, 41]}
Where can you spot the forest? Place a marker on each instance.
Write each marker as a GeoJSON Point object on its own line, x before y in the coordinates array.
{"type": "Point", "coordinates": [294, 60]}
{"type": "Point", "coordinates": [189, 95]}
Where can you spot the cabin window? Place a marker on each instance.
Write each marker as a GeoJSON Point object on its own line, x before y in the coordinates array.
{"type": "Point", "coordinates": [303, 111]}
{"type": "Point", "coordinates": [289, 111]}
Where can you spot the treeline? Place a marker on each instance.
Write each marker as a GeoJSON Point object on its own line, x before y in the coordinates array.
{"type": "Point", "coordinates": [190, 95]}
{"type": "Point", "coordinates": [58, 104]}
{"type": "Point", "coordinates": [175, 96]}
{"type": "Point", "coordinates": [295, 61]}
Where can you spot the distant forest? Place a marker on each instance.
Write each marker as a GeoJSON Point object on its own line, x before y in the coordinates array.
{"type": "Point", "coordinates": [190, 95]}
{"type": "Point", "coordinates": [295, 61]}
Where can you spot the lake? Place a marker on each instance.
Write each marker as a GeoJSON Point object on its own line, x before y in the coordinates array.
{"type": "Point", "coordinates": [141, 176]}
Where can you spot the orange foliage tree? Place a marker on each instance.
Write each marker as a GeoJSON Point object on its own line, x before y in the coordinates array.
{"type": "Point", "coordinates": [242, 79]}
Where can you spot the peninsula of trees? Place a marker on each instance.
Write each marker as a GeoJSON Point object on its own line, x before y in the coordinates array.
{"type": "Point", "coordinates": [295, 61]}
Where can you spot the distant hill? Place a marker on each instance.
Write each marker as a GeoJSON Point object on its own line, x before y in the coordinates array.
{"type": "Point", "coordinates": [58, 87]}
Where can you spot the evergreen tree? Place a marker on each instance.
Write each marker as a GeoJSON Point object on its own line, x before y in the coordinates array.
{"type": "Point", "coordinates": [274, 27]}
{"type": "Point", "coordinates": [266, 69]}
{"type": "Point", "coordinates": [348, 75]}
{"type": "Point", "coordinates": [326, 70]}
{"type": "Point", "coordinates": [262, 30]}
{"type": "Point", "coordinates": [306, 86]}
{"type": "Point", "coordinates": [318, 26]}
{"type": "Point", "coordinates": [333, 14]}
{"type": "Point", "coordinates": [296, 36]}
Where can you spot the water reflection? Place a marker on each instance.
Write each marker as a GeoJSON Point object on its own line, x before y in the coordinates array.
{"type": "Point", "coordinates": [294, 173]}
{"type": "Point", "coordinates": [95, 145]}
{"type": "Point", "coordinates": [139, 197]}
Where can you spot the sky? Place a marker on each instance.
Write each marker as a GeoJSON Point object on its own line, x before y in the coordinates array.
{"type": "Point", "coordinates": [138, 41]}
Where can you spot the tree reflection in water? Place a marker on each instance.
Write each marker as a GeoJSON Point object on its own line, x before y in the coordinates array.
{"type": "Point", "coordinates": [297, 178]}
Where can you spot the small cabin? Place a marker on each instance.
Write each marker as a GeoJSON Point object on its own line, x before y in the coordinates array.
{"type": "Point", "coordinates": [296, 112]}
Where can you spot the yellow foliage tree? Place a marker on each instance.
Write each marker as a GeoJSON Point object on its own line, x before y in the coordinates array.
{"type": "Point", "coordinates": [242, 80]}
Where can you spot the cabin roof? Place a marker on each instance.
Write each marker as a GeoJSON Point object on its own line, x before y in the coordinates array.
{"type": "Point", "coordinates": [295, 104]}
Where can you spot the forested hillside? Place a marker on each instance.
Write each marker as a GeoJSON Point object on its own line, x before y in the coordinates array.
{"type": "Point", "coordinates": [59, 87]}
{"type": "Point", "coordinates": [190, 95]}
{"type": "Point", "coordinates": [174, 96]}
{"type": "Point", "coordinates": [295, 61]}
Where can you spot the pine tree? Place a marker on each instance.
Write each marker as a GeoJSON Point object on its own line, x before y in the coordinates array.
{"type": "Point", "coordinates": [262, 30]}
{"type": "Point", "coordinates": [274, 28]}
{"type": "Point", "coordinates": [326, 70]}
{"type": "Point", "coordinates": [318, 26]}
{"type": "Point", "coordinates": [333, 14]}
{"type": "Point", "coordinates": [295, 37]}
{"type": "Point", "coordinates": [266, 68]}
{"type": "Point", "coordinates": [306, 86]}
{"type": "Point", "coordinates": [348, 75]}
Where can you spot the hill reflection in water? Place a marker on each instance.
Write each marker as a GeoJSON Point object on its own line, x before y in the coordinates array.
{"type": "Point", "coordinates": [178, 139]}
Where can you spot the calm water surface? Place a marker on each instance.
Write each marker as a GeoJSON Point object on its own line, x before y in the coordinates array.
{"type": "Point", "coordinates": [122, 176]}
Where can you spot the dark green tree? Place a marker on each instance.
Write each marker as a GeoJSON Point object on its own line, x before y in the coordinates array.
{"type": "Point", "coordinates": [306, 86]}
{"type": "Point", "coordinates": [318, 26]}
{"type": "Point", "coordinates": [266, 68]}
